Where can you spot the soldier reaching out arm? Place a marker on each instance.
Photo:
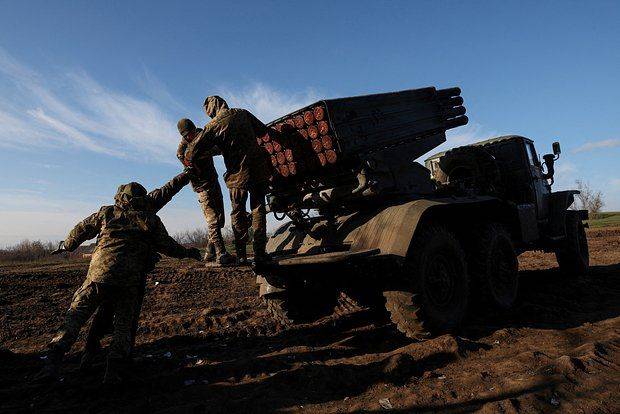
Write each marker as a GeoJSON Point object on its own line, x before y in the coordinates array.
{"type": "Point", "coordinates": [205, 183]}
{"type": "Point", "coordinates": [102, 323]}
{"type": "Point", "coordinates": [130, 236]}
{"type": "Point", "coordinates": [248, 170]}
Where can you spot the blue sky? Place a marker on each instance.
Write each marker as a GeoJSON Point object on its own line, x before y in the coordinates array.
{"type": "Point", "coordinates": [90, 92]}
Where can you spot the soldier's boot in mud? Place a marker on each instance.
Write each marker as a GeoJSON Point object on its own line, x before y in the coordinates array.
{"type": "Point", "coordinates": [225, 259]}
{"type": "Point", "coordinates": [241, 253]}
{"type": "Point", "coordinates": [116, 371]}
{"type": "Point", "coordinates": [51, 369]}
{"type": "Point", "coordinates": [89, 356]}
{"type": "Point", "coordinates": [261, 258]}
{"type": "Point", "coordinates": [210, 255]}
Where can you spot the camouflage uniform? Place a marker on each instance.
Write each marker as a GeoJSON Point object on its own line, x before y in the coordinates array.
{"type": "Point", "coordinates": [103, 320]}
{"type": "Point", "coordinates": [248, 170]}
{"type": "Point", "coordinates": [205, 183]}
{"type": "Point", "coordinates": [130, 236]}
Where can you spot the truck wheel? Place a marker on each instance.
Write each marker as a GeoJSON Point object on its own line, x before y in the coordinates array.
{"type": "Point", "coordinates": [436, 287]}
{"type": "Point", "coordinates": [573, 255]}
{"type": "Point", "coordinates": [494, 267]}
{"type": "Point", "coordinates": [346, 304]}
{"type": "Point", "coordinates": [300, 303]}
{"type": "Point", "coordinates": [277, 307]}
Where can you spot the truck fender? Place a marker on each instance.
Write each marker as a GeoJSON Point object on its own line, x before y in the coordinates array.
{"type": "Point", "coordinates": [392, 229]}
{"type": "Point", "coordinates": [559, 202]}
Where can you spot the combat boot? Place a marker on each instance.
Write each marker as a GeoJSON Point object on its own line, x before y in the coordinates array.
{"type": "Point", "coordinates": [210, 255]}
{"type": "Point", "coordinates": [261, 258]}
{"type": "Point", "coordinates": [115, 369]}
{"type": "Point", "coordinates": [225, 259]}
{"type": "Point", "coordinates": [51, 369]}
{"type": "Point", "coordinates": [242, 256]}
{"type": "Point", "coordinates": [90, 354]}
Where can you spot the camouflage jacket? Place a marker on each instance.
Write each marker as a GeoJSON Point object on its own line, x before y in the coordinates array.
{"type": "Point", "coordinates": [234, 132]}
{"type": "Point", "coordinates": [128, 240]}
{"type": "Point", "coordinates": [205, 173]}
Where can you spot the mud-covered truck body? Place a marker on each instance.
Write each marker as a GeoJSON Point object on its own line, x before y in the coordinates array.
{"type": "Point", "coordinates": [369, 226]}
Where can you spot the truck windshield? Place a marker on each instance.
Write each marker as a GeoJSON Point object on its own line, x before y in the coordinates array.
{"type": "Point", "coordinates": [531, 154]}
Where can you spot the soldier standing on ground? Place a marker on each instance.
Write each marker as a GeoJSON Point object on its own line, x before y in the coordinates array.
{"type": "Point", "coordinates": [130, 236]}
{"type": "Point", "coordinates": [102, 323]}
{"type": "Point", "coordinates": [248, 170]}
{"type": "Point", "coordinates": [205, 183]}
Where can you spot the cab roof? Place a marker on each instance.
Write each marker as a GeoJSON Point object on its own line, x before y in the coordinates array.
{"type": "Point", "coordinates": [491, 141]}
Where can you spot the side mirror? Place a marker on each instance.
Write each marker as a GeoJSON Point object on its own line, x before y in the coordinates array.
{"type": "Point", "coordinates": [556, 149]}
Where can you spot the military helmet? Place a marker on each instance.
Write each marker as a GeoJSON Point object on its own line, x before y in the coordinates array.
{"type": "Point", "coordinates": [132, 194]}
{"type": "Point", "coordinates": [214, 104]}
{"type": "Point", "coordinates": [185, 126]}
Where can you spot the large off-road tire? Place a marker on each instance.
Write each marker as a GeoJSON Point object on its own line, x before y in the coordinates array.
{"type": "Point", "coordinates": [277, 306]}
{"type": "Point", "coordinates": [435, 289]}
{"type": "Point", "coordinates": [300, 303]}
{"type": "Point", "coordinates": [493, 267]}
{"type": "Point", "coordinates": [573, 255]}
{"type": "Point", "coordinates": [346, 304]}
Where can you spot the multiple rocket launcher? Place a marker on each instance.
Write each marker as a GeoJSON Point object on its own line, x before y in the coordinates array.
{"type": "Point", "coordinates": [300, 142]}
{"type": "Point", "coordinates": [337, 137]}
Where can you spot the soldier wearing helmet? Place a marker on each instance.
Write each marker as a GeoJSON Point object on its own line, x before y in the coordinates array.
{"type": "Point", "coordinates": [129, 237]}
{"type": "Point", "coordinates": [205, 183]}
{"type": "Point", "coordinates": [234, 132]}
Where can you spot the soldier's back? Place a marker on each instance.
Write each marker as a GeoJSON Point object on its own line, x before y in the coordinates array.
{"type": "Point", "coordinates": [125, 247]}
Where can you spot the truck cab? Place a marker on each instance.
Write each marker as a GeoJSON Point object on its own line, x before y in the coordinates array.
{"type": "Point", "coordinates": [511, 163]}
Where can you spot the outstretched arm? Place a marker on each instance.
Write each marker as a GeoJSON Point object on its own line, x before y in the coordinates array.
{"type": "Point", "coordinates": [84, 230]}
{"type": "Point", "coordinates": [204, 142]}
{"type": "Point", "coordinates": [161, 196]}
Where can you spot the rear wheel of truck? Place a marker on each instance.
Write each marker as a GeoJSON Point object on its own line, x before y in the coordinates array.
{"type": "Point", "coordinates": [435, 286]}
{"type": "Point", "coordinates": [573, 255]}
{"type": "Point", "coordinates": [493, 267]}
{"type": "Point", "coordinates": [301, 302]}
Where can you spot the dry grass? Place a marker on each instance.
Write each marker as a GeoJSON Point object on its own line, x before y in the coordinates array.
{"type": "Point", "coordinates": [38, 251]}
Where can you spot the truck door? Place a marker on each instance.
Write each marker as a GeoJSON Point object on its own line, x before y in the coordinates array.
{"type": "Point", "coordinates": [540, 187]}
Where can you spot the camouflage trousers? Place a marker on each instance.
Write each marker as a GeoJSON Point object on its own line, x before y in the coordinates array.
{"type": "Point", "coordinates": [91, 295]}
{"type": "Point", "coordinates": [212, 205]}
{"type": "Point", "coordinates": [239, 218]}
{"type": "Point", "coordinates": [103, 322]}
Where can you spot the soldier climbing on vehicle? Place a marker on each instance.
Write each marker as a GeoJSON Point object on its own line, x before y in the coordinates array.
{"type": "Point", "coordinates": [248, 170]}
{"type": "Point", "coordinates": [205, 183]}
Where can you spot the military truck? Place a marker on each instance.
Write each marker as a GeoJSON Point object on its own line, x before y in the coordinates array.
{"type": "Point", "coordinates": [371, 227]}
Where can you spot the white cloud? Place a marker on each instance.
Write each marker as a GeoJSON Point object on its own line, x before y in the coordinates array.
{"type": "Point", "coordinates": [267, 103]}
{"type": "Point", "coordinates": [72, 109]}
{"type": "Point", "coordinates": [592, 145]}
{"type": "Point", "coordinates": [60, 110]}
{"type": "Point", "coordinates": [460, 136]}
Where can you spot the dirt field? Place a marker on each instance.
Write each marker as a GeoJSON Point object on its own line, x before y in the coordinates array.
{"type": "Point", "coordinates": [206, 344]}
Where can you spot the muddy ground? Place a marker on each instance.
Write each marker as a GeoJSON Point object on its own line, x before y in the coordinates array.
{"type": "Point", "coordinates": [206, 344]}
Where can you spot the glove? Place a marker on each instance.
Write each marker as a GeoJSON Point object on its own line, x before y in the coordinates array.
{"type": "Point", "coordinates": [190, 171]}
{"type": "Point", "coordinates": [194, 253]}
{"type": "Point", "coordinates": [60, 249]}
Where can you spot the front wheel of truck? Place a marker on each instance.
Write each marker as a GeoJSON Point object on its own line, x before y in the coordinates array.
{"type": "Point", "coordinates": [435, 286]}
